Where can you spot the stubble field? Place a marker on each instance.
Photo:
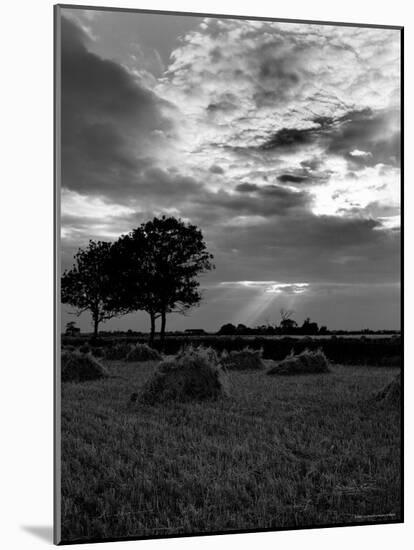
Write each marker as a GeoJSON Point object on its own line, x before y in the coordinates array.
{"type": "Point", "coordinates": [279, 452]}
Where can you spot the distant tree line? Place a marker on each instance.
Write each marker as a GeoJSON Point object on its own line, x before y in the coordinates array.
{"type": "Point", "coordinates": [307, 328]}
{"type": "Point", "coordinates": [287, 325]}
{"type": "Point", "coordinates": [154, 269]}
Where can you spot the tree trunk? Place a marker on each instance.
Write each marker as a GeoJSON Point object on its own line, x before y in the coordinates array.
{"type": "Point", "coordinates": [162, 332]}
{"type": "Point", "coordinates": [95, 328]}
{"type": "Point", "coordinates": [152, 333]}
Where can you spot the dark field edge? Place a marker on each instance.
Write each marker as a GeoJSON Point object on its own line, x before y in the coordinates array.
{"type": "Point", "coordinates": [56, 271]}
{"type": "Point", "coordinates": [229, 16]}
{"type": "Point", "coordinates": [231, 532]}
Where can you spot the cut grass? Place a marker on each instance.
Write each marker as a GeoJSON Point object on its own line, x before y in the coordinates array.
{"type": "Point", "coordinates": [279, 452]}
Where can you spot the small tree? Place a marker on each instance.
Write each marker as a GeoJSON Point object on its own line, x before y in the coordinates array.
{"type": "Point", "coordinates": [286, 314]}
{"type": "Point", "coordinates": [87, 286]}
{"type": "Point", "coordinates": [309, 327]}
{"type": "Point", "coordinates": [158, 265]}
{"type": "Point", "coordinates": [287, 324]}
{"type": "Point", "coordinates": [228, 328]}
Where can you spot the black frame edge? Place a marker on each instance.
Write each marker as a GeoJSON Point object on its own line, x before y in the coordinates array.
{"type": "Point", "coordinates": [56, 286]}
{"type": "Point", "coordinates": [229, 16]}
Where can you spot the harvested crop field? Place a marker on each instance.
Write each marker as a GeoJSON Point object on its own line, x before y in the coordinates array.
{"type": "Point", "coordinates": [283, 451]}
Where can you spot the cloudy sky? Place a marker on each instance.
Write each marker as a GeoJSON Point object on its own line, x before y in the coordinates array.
{"type": "Point", "coordinates": [281, 141]}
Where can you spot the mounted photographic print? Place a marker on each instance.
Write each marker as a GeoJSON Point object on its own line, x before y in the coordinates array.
{"type": "Point", "coordinates": [228, 274]}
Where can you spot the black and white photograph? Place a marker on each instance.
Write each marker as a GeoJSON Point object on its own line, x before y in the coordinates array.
{"type": "Point", "coordinates": [228, 210]}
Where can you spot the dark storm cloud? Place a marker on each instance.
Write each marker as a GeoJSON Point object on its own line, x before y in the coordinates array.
{"type": "Point", "coordinates": [304, 174]}
{"type": "Point", "coordinates": [215, 55]}
{"type": "Point", "coordinates": [250, 200]}
{"type": "Point", "coordinates": [215, 169]}
{"type": "Point", "coordinates": [166, 186]}
{"type": "Point", "coordinates": [312, 248]}
{"type": "Point", "coordinates": [374, 133]}
{"type": "Point", "coordinates": [325, 130]}
{"type": "Point", "coordinates": [107, 119]}
{"type": "Point", "coordinates": [284, 196]}
{"type": "Point", "coordinates": [364, 137]}
{"type": "Point", "coordinates": [311, 164]}
{"type": "Point", "coordinates": [276, 78]}
{"type": "Point", "coordinates": [223, 105]}
{"type": "Point", "coordinates": [291, 178]}
{"type": "Point", "coordinates": [327, 232]}
{"type": "Point", "coordinates": [247, 187]}
{"type": "Point", "coordinates": [289, 137]}
{"type": "Point", "coordinates": [307, 174]}
{"type": "Point", "coordinates": [277, 69]}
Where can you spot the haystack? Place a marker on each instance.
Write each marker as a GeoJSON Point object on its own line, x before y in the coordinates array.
{"type": "Point", "coordinates": [189, 376]}
{"type": "Point", "coordinates": [391, 394]}
{"type": "Point", "coordinates": [68, 347]}
{"type": "Point", "coordinates": [208, 352]}
{"type": "Point", "coordinates": [307, 362]}
{"type": "Point", "coordinates": [79, 367]}
{"type": "Point", "coordinates": [118, 352]}
{"type": "Point", "coordinates": [246, 359]}
{"type": "Point", "coordinates": [142, 352]}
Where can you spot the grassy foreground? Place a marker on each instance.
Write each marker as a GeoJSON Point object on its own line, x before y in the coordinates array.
{"type": "Point", "coordinates": [280, 452]}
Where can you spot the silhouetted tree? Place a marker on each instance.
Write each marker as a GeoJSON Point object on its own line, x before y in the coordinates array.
{"type": "Point", "coordinates": [287, 324]}
{"type": "Point", "coordinates": [309, 327]}
{"type": "Point", "coordinates": [228, 328]}
{"type": "Point", "coordinates": [158, 267]}
{"type": "Point", "coordinates": [134, 285]}
{"type": "Point", "coordinates": [86, 286]}
{"type": "Point", "coordinates": [286, 314]}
